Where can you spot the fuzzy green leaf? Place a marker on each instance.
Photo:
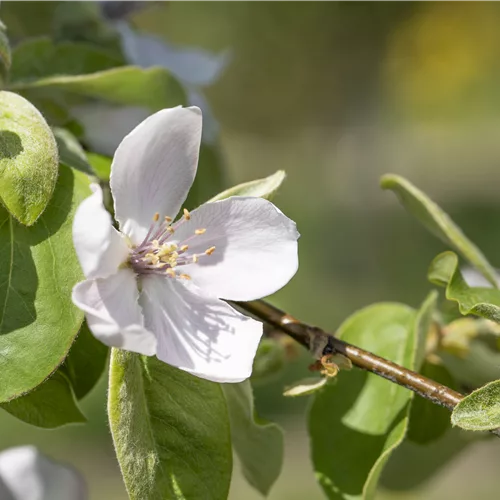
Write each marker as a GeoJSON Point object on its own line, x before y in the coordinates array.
{"type": "Point", "coordinates": [71, 153]}
{"type": "Point", "coordinates": [258, 443]}
{"type": "Point", "coordinates": [51, 404]}
{"type": "Point", "coordinates": [356, 423]}
{"type": "Point", "coordinates": [38, 269]}
{"type": "Point", "coordinates": [480, 410]}
{"type": "Point", "coordinates": [444, 271]}
{"type": "Point", "coordinates": [154, 88]}
{"type": "Point", "coordinates": [170, 429]}
{"type": "Point", "coordinates": [438, 222]}
{"type": "Point", "coordinates": [85, 362]}
{"type": "Point", "coordinates": [28, 159]}
{"type": "Point", "coordinates": [261, 188]}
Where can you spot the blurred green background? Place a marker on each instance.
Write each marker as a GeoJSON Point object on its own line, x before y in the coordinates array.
{"type": "Point", "coordinates": [338, 94]}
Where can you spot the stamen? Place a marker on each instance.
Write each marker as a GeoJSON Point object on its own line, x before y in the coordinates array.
{"type": "Point", "coordinates": [210, 251]}
{"type": "Point", "coordinates": [187, 215]}
{"type": "Point", "coordinates": [200, 231]}
{"type": "Point", "coordinates": [170, 229]}
{"type": "Point", "coordinates": [156, 216]}
{"type": "Point", "coordinates": [170, 272]}
{"type": "Point", "coordinates": [184, 248]}
{"type": "Point", "coordinates": [185, 276]}
{"type": "Point", "coordinates": [195, 259]}
{"type": "Point", "coordinates": [168, 219]}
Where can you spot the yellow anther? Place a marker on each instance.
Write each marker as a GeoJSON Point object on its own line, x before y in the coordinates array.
{"type": "Point", "coordinates": [187, 215]}
{"type": "Point", "coordinates": [200, 231]}
{"type": "Point", "coordinates": [210, 251]}
{"type": "Point", "coordinates": [168, 219]}
{"type": "Point", "coordinates": [155, 244]}
{"type": "Point", "coordinates": [156, 216]}
{"type": "Point", "coordinates": [184, 248]}
{"type": "Point", "coordinates": [170, 272]}
{"type": "Point", "coordinates": [195, 259]}
{"type": "Point", "coordinates": [185, 276]}
{"type": "Point", "coordinates": [170, 229]}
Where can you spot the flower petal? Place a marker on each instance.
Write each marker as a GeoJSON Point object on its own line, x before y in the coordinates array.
{"type": "Point", "coordinates": [154, 167]}
{"type": "Point", "coordinates": [26, 474]}
{"type": "Point", "coordinates": [99, 246]}
{"type": "Point", "coordinates": [199, 334]}
{"type": "Point", "coordinates": [113, 312]}
{"type": "Point", "coordinates": [255, 248]}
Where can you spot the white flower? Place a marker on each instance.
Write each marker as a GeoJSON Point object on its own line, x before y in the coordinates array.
{"type": "Point", "coordinates": [26, 474]}
{"type": "Point", "coordinates": [155, 287]}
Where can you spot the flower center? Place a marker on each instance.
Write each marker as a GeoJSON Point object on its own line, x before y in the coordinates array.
{"type": "Point", "coordinates": [158, 255]}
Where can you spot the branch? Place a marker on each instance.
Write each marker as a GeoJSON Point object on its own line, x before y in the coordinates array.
{"type": "Point", "coordinates": [321, 343]}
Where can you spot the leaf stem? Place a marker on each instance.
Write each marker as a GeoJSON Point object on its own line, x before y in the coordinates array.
{"type": "Point", "coordinates": [320, 343]}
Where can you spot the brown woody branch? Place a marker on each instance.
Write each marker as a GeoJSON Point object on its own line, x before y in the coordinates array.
{"type": "Point", "coordinates": [321, 343]}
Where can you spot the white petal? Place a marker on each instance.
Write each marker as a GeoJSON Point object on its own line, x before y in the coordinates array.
{"type": "Point", "coordinates": [99, 246]}
{"type": "Point", "coordinates": [255, 248]}
{"type": "Point", "coordinates": [192, 66]}
{"type": "Point", "coordinates": [199, 334]}
{"type": "Point", "coordinates": [113, 312]}
{"type": "Point", "coordinates": [26, 474]}
{"type": "Point", "coordinates": [154, 168]}
{"type": "Point", "coordinates": [107, 124]}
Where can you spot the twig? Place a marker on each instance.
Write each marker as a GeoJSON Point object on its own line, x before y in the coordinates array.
{"type": "Point", "coordinates": [320, 343]}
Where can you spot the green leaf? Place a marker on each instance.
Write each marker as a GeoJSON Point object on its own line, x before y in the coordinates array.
{"type": "Point", "coordinates": [210, 177]}
{"type": "Point", "coordinates": [38, 269]}
{"type": "Point", "coordinates": [423, 325]}
{"type": "Point", "coordinates": [40, 57]}
{"type": "Point", "coordinates": [71, 153]}
{"type": "Point", "coordinates": [85, 362]}
{"type": "Point", "coordinates": [51, 404]}
{"type": "Point", "coordinates": [261, 188]}
{"type": "Point", "coordinates": [5, 56]}
{"type": "Point", "coordinates": [429, 421]}
{"type": "Point", "coordinates": [258, 443]}
{"type": "Point", "coordinates": [480, 410]}
{"type": "Point", "coordinates": [101, 165]}
{"type": "Point", "coordinates": [438, 223]}
{"type": "Point", "coordinates": [269, 360]}
{"type": "Point", "coordinates": [28, 159]}
{"type": "Point", "coordinates": [170, 429]}
{"type": "Point", "coordinates": [444, 271]}
{"type": "Point", "coordinates": [412, 465]}
{"type": "Point", "coordinates": [154, 88]}
{"type": "Point", "coordinates": [356, 423]}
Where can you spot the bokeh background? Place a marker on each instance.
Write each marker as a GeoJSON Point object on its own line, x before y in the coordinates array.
{"type": "Point", "coordinates": [338, 94]}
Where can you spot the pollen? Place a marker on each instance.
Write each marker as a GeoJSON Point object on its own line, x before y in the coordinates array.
{"type": "Point", "coordinates": [187, 215]}
{"type": "Point", "coordinates": [200, 231]}
{"type": "Point", "coordinates": [210, 251]}
{"type": "Point", "coordinates": [184, 248]}
{"type": "Point", "coordinates": [170, 272]}
{"type": "Point", "coordinates": [156, 216]}
{"type": "Point", "coordinates": [170, 229]}
{"type": "Point", "coordinates": [184, 276]}
{"type": "Point", "coordinates": [195, 259]}
{"type": "Point", "coordinates": [168, 219]}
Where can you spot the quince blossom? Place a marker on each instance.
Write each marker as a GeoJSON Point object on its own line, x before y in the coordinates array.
{"type": "Point", "coordinates": [155, 286]}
